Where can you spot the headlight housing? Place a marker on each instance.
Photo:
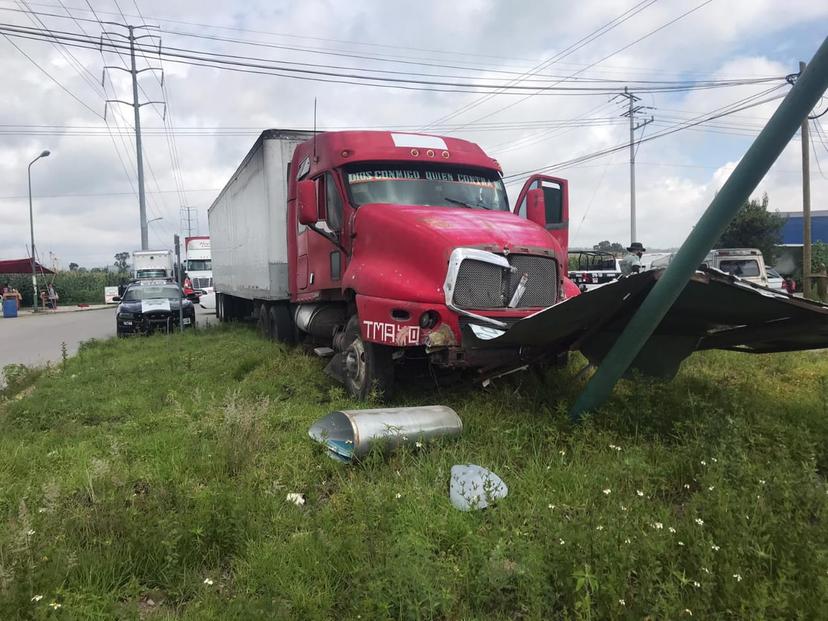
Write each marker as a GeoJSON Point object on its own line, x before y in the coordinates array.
{"type": "Point", "coordinates": [126, 315]}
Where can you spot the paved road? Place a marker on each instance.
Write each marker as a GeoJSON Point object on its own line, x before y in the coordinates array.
{"type": "Point", "coordinates": [36, 339]}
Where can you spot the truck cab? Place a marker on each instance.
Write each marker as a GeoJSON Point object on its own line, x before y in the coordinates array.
{"type": "Point", "coordinates": [746, 263]}
{"type": "Point", "coordinates": [397, 243]}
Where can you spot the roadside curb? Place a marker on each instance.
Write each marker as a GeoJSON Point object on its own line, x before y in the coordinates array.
{"type": "Point", "coordinates": [47, 313]}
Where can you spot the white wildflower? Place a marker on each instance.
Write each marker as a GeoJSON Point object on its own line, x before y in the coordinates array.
{"type": "Point", "coordinates": [699, 521]}
{"type": "Point", "coordinates": [55, 605]}
{"type": "Point", "coordinates": [622, 602]}
{"type": "Point", "coordinates": [711, 488]}
{"type": "Point", "coordinates": [705, 570]}
{"type": "Point", "coordinates": [37, 598]}
{"type": "Point", "coordinates": [397, 495]}
{"type": "Point", "coordinates": [614, 447]}
{"type": "Point", "coordinates": [639, 492]}
{"type": "Point", "coordinates": [550, 506]}
{"type": "Point", "coordinates": [297, 499]}
{"type": "Point", "coordinates": [418, 444]}
{"type": "Point", "coordinates": [696, 584]}
{"type": "Point", "coordinates": [599, 527]}
{"type": "Point", "coordinates": [561, 541]}
{"type": "Point", "coordinates": [703, 463]}
{"type": "Point", "coordinates": [681, 543]}
{"type": "Point", "coordinates": [672, 530]}
{"type": "Point", "coordinates": [623, 508]}
{"type": "Point", "coordinates": [688, 611]}
{"type": "Point", "coordinates": [30, 532]}
{"type": "Point", "coordinates": [762, 481]}
{"type": "Point", "coordinates": [657, 525]}
{"type": "Point", "coordinates": [715, 548]}
{"type": "Point", "coordinates": [562, 452]}
{"type": "Point", "coordinates": [607, 492]}
{"type": "Point", "coordinates": [208, 581]}
{"type": "Point", "coordinates": [738, 577]}
{"type": "Point", "coordinates": [627, 541]}
{"type": "Point", "coordinates": [686, 486]}
{"type": "Point", "coordinates": [714, 460]}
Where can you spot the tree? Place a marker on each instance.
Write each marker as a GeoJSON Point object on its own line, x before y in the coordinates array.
{"type": "Point", "coordinates": [121, 259]}
{"type": "Point", "coordinates": [73, 267]}
{"type": "Point", "coordinates": [754, 227]}
{"type": "Point", "coordinates": [606, 246]}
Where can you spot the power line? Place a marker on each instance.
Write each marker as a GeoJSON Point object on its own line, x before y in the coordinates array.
{"type": "Point", "coordinates": [715, 114]}
{"type": "Point", "coordinates": [267, 66]}
{"type": "Point", "coordinates": [561, 55]}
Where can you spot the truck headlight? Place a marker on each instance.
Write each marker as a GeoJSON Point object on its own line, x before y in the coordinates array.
{"type": "Point", "coordinates": [126, 315]}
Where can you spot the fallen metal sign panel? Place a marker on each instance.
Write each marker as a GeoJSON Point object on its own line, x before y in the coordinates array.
{"type": "Point", "coordinates": [714, 311]}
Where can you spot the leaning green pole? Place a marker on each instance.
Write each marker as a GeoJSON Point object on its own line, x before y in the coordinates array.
{"type": "Point", "coordinates": [801, 99]}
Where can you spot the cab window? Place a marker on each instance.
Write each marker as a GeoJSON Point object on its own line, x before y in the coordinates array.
{"type": "Point", "coordinates": [333, 203]}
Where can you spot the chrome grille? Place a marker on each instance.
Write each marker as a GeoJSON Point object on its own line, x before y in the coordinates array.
{"type": "Point", "coordinates": [202, 283]}
{"type": "Point", "coordinates": [484, 285]}
{"type": "Point", "coordinates": [542, 286]}
{"type": "Point", "coordinates": [479, 285]}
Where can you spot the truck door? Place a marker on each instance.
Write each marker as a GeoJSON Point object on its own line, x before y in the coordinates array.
{"type": "Point", "coordinates": [556, 201]}
{"type": "Point", "coordinates": [319, 265]}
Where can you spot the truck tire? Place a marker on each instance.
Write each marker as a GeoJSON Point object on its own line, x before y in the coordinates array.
{"type": "Point", "coordinates": [368, 366]}
{"type": "Point", "coordinates": [263, 319]}
{"type": "Point", "coordinates": [282, 328]}
{"type": "Point", "coordinates": [220, 308]}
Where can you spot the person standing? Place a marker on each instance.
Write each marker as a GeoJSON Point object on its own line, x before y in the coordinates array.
{"type": "Point", "coordinates": [52, 295]}
{"type": "Point", "coordinates": [631, 263]}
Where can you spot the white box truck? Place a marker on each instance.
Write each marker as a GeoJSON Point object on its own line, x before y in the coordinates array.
{"type": "Point", "coordinates": [248, 224]}
{"type": "Point", "coordinates": [152, 264]}
{"type": "Point", "coordinates": [198, 268]}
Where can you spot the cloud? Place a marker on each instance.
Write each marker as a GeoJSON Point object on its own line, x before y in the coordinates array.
{"type": "Point", "coordinates": [85, 209]}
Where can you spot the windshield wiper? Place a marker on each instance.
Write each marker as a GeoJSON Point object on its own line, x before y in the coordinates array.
{"type": "Point", "coordinates": [464, 203]}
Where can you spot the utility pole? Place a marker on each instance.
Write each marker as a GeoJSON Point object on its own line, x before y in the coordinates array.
{"type": "Point", "coordinates": [136, 105]}
{"type": "Point", "coordinates": [187, 220]}
{"type": "Point", "coordinates": [632, 110]}
{"type": "Point", "coordinates": [180, 279]}
{"type": "Point", "coordinates": [806, 204]}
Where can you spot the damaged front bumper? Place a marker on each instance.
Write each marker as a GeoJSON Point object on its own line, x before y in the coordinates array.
{"type": "Point", "coordinates": [714, 311]}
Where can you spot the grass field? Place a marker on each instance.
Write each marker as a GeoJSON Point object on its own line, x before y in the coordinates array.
{"type": "Point", "coordinates": [148, 479]}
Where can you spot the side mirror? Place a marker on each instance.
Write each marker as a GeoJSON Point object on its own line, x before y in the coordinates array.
{"type": "Point", "coordinates": [117, 298]}
{"type": "Point", "coordinates": [536, 207]}
{"type": "Point", "coordinates": [307, 205]}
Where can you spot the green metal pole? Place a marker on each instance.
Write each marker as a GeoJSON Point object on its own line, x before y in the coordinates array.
{"type": "Point", "coordinates": [804, 95]}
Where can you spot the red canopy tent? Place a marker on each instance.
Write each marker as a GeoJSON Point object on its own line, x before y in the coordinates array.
{"type": "Point", "coordinates": [22, 266]}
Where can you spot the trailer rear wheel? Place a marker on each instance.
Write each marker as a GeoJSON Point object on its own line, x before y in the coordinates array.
{"type": "Point", "coordinates": [282, 328]}
{"type": "Point", "coordinates": [368, 366]}
{"type": "Point", "coordinates": [263, 319]}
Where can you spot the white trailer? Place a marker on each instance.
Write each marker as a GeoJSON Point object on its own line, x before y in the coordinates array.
{"type": "Point", "coordinates": [152, 264]}
{"type": "Point", "coordinates": [248, 223]}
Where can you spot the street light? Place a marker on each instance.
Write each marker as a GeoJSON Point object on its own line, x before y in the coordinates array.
{"type": "Point", "coordinates": [45, 153]}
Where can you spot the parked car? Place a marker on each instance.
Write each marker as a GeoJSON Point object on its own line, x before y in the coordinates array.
{"type": "Point", "coordinates": [775, 280]}
{"type": "Point", "coordinates": [153, 306]}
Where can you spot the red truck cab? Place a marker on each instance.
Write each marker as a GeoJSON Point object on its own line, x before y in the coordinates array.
{"type": "Point", "coordinates": [413, 236]}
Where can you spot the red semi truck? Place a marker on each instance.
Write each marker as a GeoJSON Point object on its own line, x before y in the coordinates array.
{"type": "Point", "coordinates": [381, 245]}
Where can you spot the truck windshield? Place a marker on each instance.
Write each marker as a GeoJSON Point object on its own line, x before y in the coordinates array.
{"type": "Point", "coordinates": [740, 267]}
{"type": "Point", "coordinates": [151, 273]}
{"type": "Point", "coordinates": [199, 265]}
{"type": "Point", "coordinates": [171, 292]}
{"type": "Point", "coordinates": [439, 186]}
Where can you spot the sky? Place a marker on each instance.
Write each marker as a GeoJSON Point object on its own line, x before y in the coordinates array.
{"type": "Point", "coordinates": [85, 203]}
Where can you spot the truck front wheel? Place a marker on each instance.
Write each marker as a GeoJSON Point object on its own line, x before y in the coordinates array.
{"type": "Point", "coordinates": [368, 366]}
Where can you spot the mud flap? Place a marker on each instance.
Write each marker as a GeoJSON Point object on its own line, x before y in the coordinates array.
{"type": "Point", "coordinates": [335, 369]}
